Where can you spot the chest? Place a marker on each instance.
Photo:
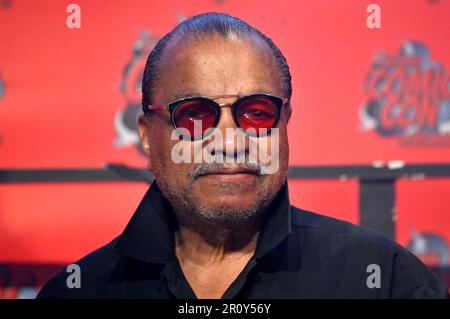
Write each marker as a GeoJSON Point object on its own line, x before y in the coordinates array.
{"type": "Point", "coordinates": [212, 281]}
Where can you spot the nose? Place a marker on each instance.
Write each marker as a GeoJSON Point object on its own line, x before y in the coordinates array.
{"type": "Point", "coordinates": [233, 143]}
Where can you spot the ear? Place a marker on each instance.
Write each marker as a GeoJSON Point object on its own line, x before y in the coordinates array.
{"type": "Point", "coordinates": [288, 110]}
{"type": "Point", "coordinates": [143, 130]}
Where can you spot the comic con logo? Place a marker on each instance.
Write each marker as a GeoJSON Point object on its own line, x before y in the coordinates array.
{"type": "Point", "coordinates": [408, 97]}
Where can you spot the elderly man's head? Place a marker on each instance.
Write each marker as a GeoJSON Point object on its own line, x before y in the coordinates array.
{"type": "Point", "coordinates": [222, 58]}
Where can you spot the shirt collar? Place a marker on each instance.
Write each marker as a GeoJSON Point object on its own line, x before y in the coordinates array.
{"type": "Point", "coordinates": [149, 235]}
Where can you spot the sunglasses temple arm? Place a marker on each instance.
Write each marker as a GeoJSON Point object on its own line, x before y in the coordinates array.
{"type": "Point", "coordinates": [155, 107]}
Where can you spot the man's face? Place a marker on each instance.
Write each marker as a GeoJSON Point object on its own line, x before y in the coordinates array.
{"type": "Point", "coordinates": [208, 67]}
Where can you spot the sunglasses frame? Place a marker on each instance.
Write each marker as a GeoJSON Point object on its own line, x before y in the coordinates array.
{"type": "Point", "coordinates": [172, 106]}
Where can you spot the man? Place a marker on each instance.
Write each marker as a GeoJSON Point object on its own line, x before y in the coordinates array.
{"type": "Point", "coordinates": [225, 228]}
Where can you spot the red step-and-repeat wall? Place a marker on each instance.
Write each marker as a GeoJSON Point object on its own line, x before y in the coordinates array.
{"type": "Point", "coordinates": [69, 99]}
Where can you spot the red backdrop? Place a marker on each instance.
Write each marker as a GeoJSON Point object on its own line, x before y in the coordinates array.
{"type": "Point", "coordinates": [63, 92]}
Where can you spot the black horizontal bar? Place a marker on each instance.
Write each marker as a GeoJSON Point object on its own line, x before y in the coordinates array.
{"type": "Point", "coordinates": [121, 173]}
{"type": "Point", "coordinates": [110, 173]}
{"type": "Point", "coordinates": [367, 172]}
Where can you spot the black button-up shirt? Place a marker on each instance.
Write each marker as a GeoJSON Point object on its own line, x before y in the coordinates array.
{"type": "Point", "coordinates": [299, 254]}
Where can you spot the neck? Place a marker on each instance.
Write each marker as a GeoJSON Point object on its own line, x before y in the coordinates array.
{"type": "Point", "coordinates": [207, 242]}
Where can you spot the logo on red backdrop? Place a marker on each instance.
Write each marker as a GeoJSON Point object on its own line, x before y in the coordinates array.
{"type": "Point", "coordinates": [2, 87]}
{"type": "Point", "coordinates": [431, 248]}
{"type": "Point", "coordinates": [125, 120]}
{"type": "Point", "coordinates": [2, 91]}
{"type": "Point", "coordinates": [408, 97]}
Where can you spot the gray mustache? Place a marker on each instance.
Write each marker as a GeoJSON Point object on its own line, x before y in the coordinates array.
{"type": "Point", "coordinates": [211, 168]}
{"type": "Point", "coordinates": [226, 162]}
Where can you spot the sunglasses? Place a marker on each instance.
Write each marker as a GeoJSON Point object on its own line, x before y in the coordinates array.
{"type": "Point", "coordinates": [256, 114]}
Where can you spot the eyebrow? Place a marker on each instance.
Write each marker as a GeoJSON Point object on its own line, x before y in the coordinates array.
{"type": "Point", "coordinates": [185, 95]}
{"type": "Point", "coordinates": [195, 94]}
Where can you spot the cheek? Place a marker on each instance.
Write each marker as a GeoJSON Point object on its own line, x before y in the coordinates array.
{"type": "Point", "coordinates": [160, 145]}
{"type": "Point", "coordinates": [165, 169]}
{"type": "Point", "coordinates": [284, 144]}
{"type": "Point", "coordinates": [284, 148]}
{"type": "Point", "coordinates": [273, 152]}
{"type": "Point", "coordinates": [278, 176]}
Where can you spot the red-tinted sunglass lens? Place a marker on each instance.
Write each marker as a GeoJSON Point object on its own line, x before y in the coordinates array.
{"type": "Point", "coordinates": [257, 113]}
{"type": "Point", "coordinates": [196, 110]}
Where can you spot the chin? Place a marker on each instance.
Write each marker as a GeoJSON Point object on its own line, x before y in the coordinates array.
{"type": "Point", "coordinates": [227, 208]}
{"type": "Point", "coordinates": [225, 194]}
{"type": "Point", "coordinates": [231, 202]}
{"type": "Point", "coordinates": [225, 215]}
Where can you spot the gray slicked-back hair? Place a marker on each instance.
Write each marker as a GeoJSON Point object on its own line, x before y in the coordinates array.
{"type": "Point", "coordinates": [206, 24]}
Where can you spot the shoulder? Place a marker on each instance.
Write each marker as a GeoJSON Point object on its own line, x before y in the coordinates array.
{"type": "Point", "coordinates": [314, 222]}
{"type": "Point", "coordinates": [354, 246]}
{"type": "Point", "coordinates": [93, 270]}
